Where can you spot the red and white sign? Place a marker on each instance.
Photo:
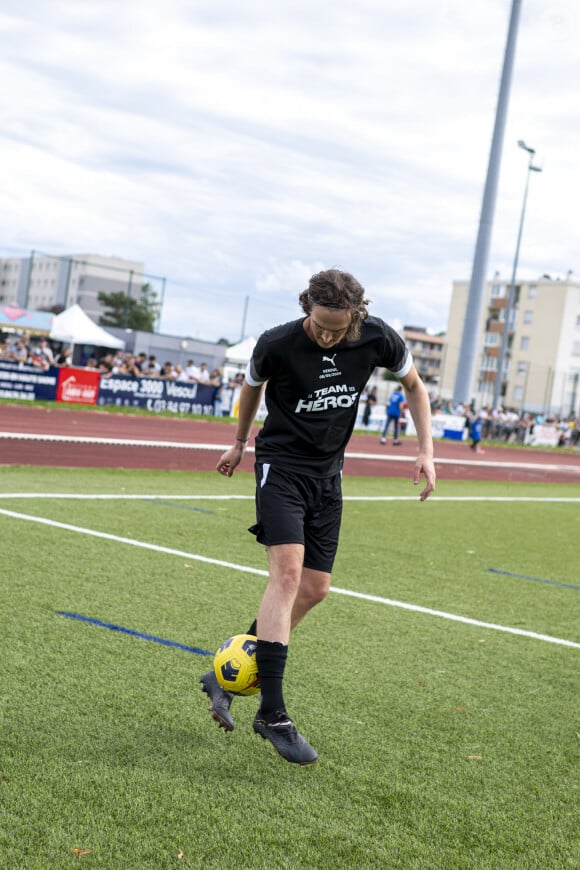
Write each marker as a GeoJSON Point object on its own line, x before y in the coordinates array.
{"type": "Point", "coordinates": [78, 386]}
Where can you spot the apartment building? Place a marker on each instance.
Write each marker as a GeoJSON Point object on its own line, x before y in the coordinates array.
{"type": "Point", "coordinates": [541, 368]}
{"type": "Point", "coordinates": [41, 281]}
{"type": "Point", "coordinates": [427, 353]}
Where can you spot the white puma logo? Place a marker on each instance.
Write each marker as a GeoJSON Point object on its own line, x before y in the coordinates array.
{"type": "Point", "coordinates": [329, 359]}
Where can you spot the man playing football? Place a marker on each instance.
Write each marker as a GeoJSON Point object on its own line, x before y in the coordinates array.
{"type": "Point", "coordinates": [313, 371]}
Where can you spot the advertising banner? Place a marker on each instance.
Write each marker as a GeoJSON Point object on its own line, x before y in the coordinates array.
{"type": "Point", "coordinates": [543, 434]}
{"type": "Point", "coordinates": [451, 426]}
{"type": "Point", "coordinates": [79, 386]}
{"type": "Point", "coordinates": [18, 381]}
{"type": "Point", "coordinates": [21, 319]}
{"type": "Point", "coordinates": [87, 387]}
{"type": "Point", "coordinates": [156, 394]}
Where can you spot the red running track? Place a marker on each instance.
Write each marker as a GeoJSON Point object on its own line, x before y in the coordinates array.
{"type": "Point", "coordinates": [155, 442]}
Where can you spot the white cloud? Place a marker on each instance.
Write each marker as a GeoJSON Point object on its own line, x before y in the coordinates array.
{"type": "Point", "coordinates": [284, 277]}
{"type": "Point", "coordinates": [238, 149]}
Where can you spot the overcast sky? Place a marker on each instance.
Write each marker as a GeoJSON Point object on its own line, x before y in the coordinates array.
{"type": "Point", "coordinates": [237, 148]}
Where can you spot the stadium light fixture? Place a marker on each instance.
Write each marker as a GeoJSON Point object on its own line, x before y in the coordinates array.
{"type": "Point", "coordinates": [512, 289]}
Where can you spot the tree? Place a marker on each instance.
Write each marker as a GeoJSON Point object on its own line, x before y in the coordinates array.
{"type": "Point", "coordinates": [52, 309]}
{"type": "Point", "coordinates": [130, 313]}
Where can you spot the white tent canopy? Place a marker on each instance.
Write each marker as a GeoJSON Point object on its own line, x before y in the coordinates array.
{"type": "Point", "coordinates": [239, 354]}
{"type": "Point", "coordinates": [73, 326]}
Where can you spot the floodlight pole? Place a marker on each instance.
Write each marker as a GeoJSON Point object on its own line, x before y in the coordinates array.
{"type": "Point", "coordinates": [512, 290]}
{"type": "Point", "coordinates": [462, 392]}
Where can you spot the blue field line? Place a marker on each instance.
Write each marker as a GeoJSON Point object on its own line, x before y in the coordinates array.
{"type": "Point", "coordinates": [162, 640]}
{"type": "Point", "coordinates": [182, 507]}
{"type": "Point", "coordinates": [535, 579]}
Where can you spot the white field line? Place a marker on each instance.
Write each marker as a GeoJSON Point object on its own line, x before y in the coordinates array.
{"type": "Point", "coordinates": [480, 463]}
{"type": "Point", "coordinates": [125, 496]}
{"type": "Point", "coordinates": [117, 442]}
{"type": "Point", "coordinates": [181, 445]}
{"type": "Point", "coordinates": [120, 540]}
{"type": "Point", "coordinates": [213, 497]}
{"type": "Point", "coordinates": [249, 570]}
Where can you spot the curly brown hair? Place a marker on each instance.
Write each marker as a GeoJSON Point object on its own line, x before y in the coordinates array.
{"type": "Point", "coordinates": [336, 289]}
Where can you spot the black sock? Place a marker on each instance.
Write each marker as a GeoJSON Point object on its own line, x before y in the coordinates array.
{"type": "Point", "coordinates": [253, 629]}
{"type": "Point", "coordinates": [271, 658]}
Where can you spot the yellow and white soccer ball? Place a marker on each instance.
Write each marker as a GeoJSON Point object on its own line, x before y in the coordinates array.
{"type": "Point", "coordinates": [235, 665]}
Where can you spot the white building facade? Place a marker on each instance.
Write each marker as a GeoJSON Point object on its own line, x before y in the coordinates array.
{"type": "Point", "coordinates": [541, 368]}
{"type": "Point", "coordinates": [40, 281]}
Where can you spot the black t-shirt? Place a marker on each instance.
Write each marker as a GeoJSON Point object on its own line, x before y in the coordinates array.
{"type": "Point", "coordinates": [312, 394]}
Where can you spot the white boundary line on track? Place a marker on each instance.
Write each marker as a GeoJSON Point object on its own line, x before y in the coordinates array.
{"type": "Point", "coordinates": [379, 457]}
{"type": "Point", "coordinates": [248, 570]}
{"type": "Point", "coordinates": [373, 498]}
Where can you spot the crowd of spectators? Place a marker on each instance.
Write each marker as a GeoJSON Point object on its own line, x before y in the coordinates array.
{"type": "Point", "coordinates": [142, 365]}
{"type": "Point", "coordinates": [509, 426]}
{"type": "Point", "coordinates": [502, 424]}
{"type": "Point", "coordinates": [38, 352]}
{"type": "Point", "coordinates": [28, 350]}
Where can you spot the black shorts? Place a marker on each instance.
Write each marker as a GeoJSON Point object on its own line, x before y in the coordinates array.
{"type": "Point", "coordinates": [295, 509]}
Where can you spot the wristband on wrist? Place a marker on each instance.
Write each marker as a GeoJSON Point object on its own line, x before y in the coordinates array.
{"type": "Point", "coordinates": [243, 440]}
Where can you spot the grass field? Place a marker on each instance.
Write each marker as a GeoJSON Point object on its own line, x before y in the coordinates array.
{"type": "Point", "coordinates": [443, 743]}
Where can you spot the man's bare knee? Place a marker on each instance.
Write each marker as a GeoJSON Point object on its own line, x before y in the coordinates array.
{"type": "Point", "coordinates": [286, 568]}
{"type": "Point", "coordinates": [314, 586]}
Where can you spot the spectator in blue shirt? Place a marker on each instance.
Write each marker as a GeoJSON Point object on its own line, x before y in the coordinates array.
{"type": "Point", "coordinates": [394, 415]}
{"type": "Point", "coordinates": [475, 427]}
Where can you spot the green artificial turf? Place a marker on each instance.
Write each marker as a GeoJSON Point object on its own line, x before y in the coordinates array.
{"type": "Point", "coordinates": [442, 744]}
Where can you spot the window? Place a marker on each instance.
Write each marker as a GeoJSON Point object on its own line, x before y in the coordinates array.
{"type": "Point", "coordinates": [528, 316]}
{"type": "Point", "coordinates": [491, 339]}
{"type": "Point", "coordinates": [518, 393]}
{"type": "Point", "coordinates": [532, 291]}
{"type": "Point", "coordinates": [512, 321]}
{"type": "Point", "coordinates": [576, 348]}
{"type": "Point", "coordinates": [522, 367]}
{"type": "Point", "coordinates": [489, 364]}
{"type": "Point", "coordinates": [496, 291]}
{"type": "Point", "coordinates": [525, 342]}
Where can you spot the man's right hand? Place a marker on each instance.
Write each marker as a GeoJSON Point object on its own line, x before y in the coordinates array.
{"type": "Point", "coordinates": [231, 459]}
